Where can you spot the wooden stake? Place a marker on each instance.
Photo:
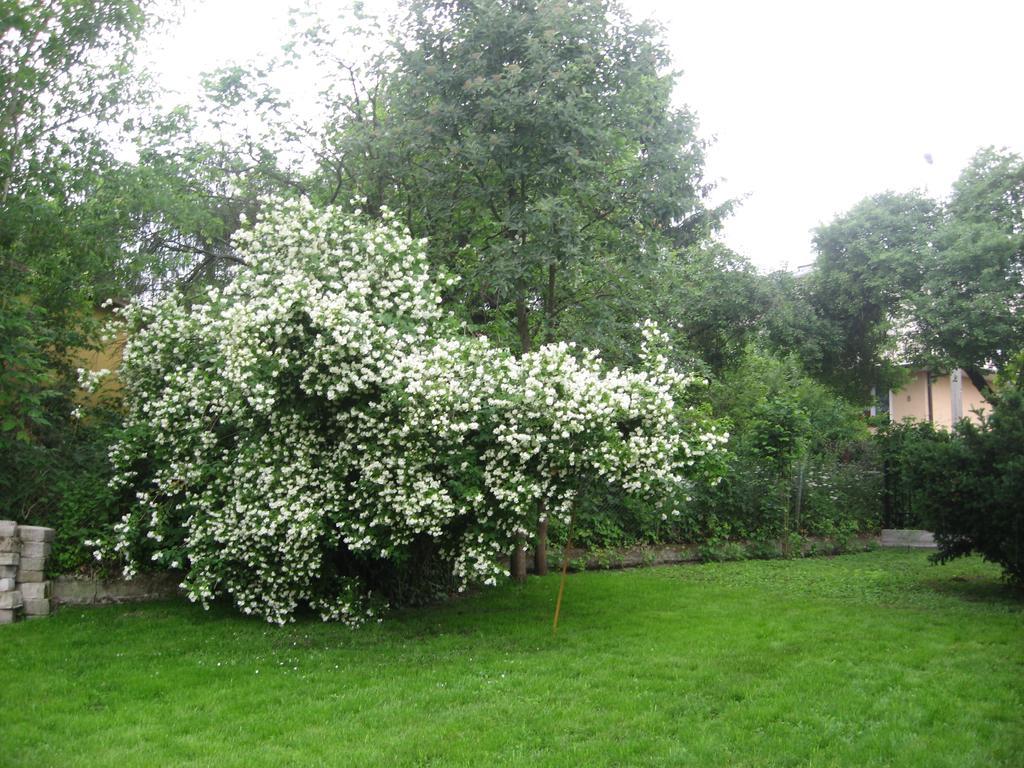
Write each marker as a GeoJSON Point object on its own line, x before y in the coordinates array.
{"type": "Point", "coordinates": [565, 572]}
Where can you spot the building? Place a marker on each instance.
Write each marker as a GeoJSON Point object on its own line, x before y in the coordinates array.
{"type": "Point", "coordinates": [943, 399]}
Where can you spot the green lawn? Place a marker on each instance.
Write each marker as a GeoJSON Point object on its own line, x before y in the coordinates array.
{"type": "Point", "coordinates": [877, 659]}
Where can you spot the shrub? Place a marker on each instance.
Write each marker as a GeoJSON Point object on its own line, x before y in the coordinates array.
{"type": "Point", "coordinates": [84, 505]}
{"type": "Point", "coordinates": [801, 463]}
{"type": "Point", "coordinates": [320, 432]}
{"type": "Point", "coordinates": [969, 487]}
{"type": "Point", "coordinates": [61, 481]}
{"type": "Point", "coordinates": [801, 460]}
{"type": "Point", "coordinates": [901, 446]}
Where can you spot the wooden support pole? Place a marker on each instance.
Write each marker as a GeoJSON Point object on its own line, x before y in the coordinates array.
{"type": "Point", "coordinates": [565, 573]}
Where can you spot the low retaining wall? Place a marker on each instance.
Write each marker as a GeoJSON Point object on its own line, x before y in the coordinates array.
{"type": "Point", "coordinates": [23, 592]}
{"type": "Point", "coordinates": [905, 537]}
{"type": "Point", "coordinates": [92, 590]}
{"type": "Point", "coordinates": [669, 554]}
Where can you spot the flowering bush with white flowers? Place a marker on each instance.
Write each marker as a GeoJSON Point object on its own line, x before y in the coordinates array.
{"type": "Point", "coordinates": [322, 420]}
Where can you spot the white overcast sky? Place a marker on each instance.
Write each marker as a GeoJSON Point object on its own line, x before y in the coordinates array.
{"type": "Point", "coordinates": [812, 105]}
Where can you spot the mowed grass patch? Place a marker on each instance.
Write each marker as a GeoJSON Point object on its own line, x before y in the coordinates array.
{"type": "Point", "coordinates": [878, 659]}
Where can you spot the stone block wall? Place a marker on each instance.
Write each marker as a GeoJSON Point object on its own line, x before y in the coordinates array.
{"type": "Point", "coordinates": [24, 590]}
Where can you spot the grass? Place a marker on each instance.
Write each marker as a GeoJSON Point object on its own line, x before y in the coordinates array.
{"type": "Point", "coordinates": [878, 659]}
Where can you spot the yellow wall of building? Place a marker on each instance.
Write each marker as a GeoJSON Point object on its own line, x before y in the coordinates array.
{"type": "Point", "coordinates": [108, 357]}
{"type": "Point", "coordinates": [942, 401]}
{"type": "Point", "coordinates": [973, 402]}
{"type": "Point", "coordinates": [911, 402]}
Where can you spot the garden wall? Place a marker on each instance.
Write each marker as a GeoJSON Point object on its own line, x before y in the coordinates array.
{"type": "Point", "coordinates": [669, 554]}
{"type": "Point", "coordinates": [900, 537]}
{"type": "Point", "coordinates": [24, 592]}
{"type": "Point", "coordinates": [24, 589]}
{"type": "Point", "coordinates": [93, 590]}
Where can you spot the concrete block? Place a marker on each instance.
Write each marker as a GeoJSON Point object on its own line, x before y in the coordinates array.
{"type": "Point", "coordinates": [8, 528]}
{"type": "Point", "coordinates": [8, 616]}
{"type": "Point", "coordinates": [9, 558]}
{"type": "Point", "coordinates": [10, 600]}
{"type": "Point", "coordinates": [7, 584]}
{"type": "Point", "coordinates": [30, 577]}
{"type": "Point", "coordinates": [8, 571]}
{"type": "Point", "coordinates": [37, 608]}
{"type": "Point", "coordinates": [31, 564]}
{"type": "Point", "coordinates": [39, 590]}
{"type": "Point", "coordinates": [36, 549]}
{"type": "Point", "coordinates": [35, 533]}
{"type": "Point", "coordinates": [10, 544]}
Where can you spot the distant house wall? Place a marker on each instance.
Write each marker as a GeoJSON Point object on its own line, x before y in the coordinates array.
{"type": "Point", "coordinates": [953, 397]}
{"type": "Point", "coordinates": [106, 357]}
{"type": "Point", "coordinates": [911, 402]}
{"type": "Point", "coordinates": [973, 401]}
{"type": "Point", "coordinates": [942, 401]}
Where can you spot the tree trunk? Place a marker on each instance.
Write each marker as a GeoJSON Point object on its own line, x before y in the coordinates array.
{"type": "Point", "coordinates": [540, 553]}
{"type": "Point", "coordinates": [518, 562]}
{"type": "Point", "coordinates": [523, 322]}
{"type": "Point", "coordinates": [787, 497]}
{"type": "Point", "coordinates": [799, 493]}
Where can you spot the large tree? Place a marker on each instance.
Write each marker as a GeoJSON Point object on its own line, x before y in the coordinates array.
{"type": "Point", "coordinates": [969, 312]}
{"type": "Point", "coordinates": [870, 263]}
{"type": "Point", "coordinates": [81, 221]}
{"type": "Point", "coordinates": [64, 76]}
{"type": "Point", "coordinates": [536, 145]}
{"type": "Point", "coordinates": [902, 278]}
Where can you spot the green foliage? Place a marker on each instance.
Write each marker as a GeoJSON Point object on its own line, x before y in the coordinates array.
{"type": "Point", "coordinates": [968, 486]}
{"type": "Point", "coordinates": [905, 277]}
{"type": "Point", "coordinates": [869, 261]}
{"type": "Point", "coordinates": [721, 551]}
{"type": "Point", "coordinates": [800, 460]}
{"type": "Point", "coordinates": [84, 507]}
{"type": "Point", "coordinates": [64, 79]}
{"type": "Point", "coordinates": [710, 299]}
{"type": "Point", "coordinates": [1011, 375]}
{"type": "Point", "coordinates": [969, 312]}
{"type": "Point", "coordinates": [60, 480]}
{"type": "Point", "coordinates": [763, 549]}
{"type": "Point", "coordinates": [902, 447]}
{"type": "Point", "coordinates": [535, 144]}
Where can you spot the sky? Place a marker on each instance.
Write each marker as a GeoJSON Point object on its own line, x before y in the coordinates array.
{"type": "Point", "coordinates": [811, 106]}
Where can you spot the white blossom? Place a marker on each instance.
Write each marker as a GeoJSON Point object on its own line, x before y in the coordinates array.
{"type": "Point", "coordinates": [323, 409]}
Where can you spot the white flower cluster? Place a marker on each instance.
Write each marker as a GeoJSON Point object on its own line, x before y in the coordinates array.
{"type": "Point", "coordinates": [321, 415]}
{"type": "Point", "coordinates": [90, 381]}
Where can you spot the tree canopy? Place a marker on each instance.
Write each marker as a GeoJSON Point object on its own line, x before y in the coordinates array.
{"type": "Point", "coordinates": [64, 76]}
{"type": "Point", "coordinates": [537, 147]}
{"type": "Point", "coordinates": [902, 278]}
